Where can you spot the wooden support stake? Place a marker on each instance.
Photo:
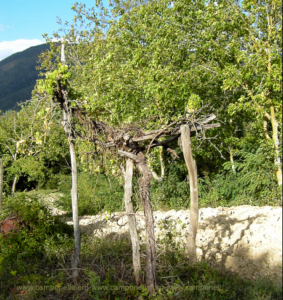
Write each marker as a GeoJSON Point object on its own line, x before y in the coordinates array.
{"type": "Point", "coordinates": [75, 211]}
{"type": "Point", "coordinates": [132, 219]}
{"type": "Point", "coordinates": [66, 123]}
{"type": "Point", "coordinates": [192, 170]}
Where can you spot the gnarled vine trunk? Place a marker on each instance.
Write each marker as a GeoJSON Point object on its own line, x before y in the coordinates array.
{"type": "Point", "coordinates": [144, 184]}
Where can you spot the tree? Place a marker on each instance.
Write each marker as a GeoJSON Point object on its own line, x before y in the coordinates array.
{"type": "Point", "coordinates": [21, 140]}
{"type": "Point", "coordinates": [257, 73]}
{"type": "Point", "coordinates": [31, 144]}
{"type": "Point", "coordinates": [153, 66]}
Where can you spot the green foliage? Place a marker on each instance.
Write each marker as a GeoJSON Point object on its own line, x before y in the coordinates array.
{"type": "Point", "coordinates": [97, 193]}
{"type": "Point", "coordinates": [174, 191]}
{"type": "Point", "coordinates": [260, 44]}
{"type": "Point", "coordinates": [94, 281]}
{"type": "Point", "coordinates": [156, 62]}
{"type": "Point", "coordinates": [176, 279]}
{"type": "Point", "coordinates": [30, 210]}
{"type": "Point", "coordinates": [254, 182]}
{"type": "Point", "coordinates": [32, 146]}
{"type": "Point", "coordinates": [40, 238]}
{"type": "Point", "coordinates": [49, 84]}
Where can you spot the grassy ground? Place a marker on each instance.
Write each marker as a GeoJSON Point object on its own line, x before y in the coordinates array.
{"type": "Point", "coordinates": [106, 273]}
{"type": "Point", "coordinates": [35, 264]}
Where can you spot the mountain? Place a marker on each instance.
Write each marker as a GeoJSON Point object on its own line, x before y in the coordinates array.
{"type": "Point", "coordinates": [18, 76]}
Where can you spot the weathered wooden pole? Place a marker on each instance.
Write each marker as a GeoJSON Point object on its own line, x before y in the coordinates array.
{"type": "Point", "coordinates": [192, 170]}
{"type": "Point", "coordinates": [66, 123]}
{"type": "Point", "coordinates": [132, 219]}
{"type": "Point", "coordinates": [75, 210]}
{"type": "Point", "coordinates": [1, 183]}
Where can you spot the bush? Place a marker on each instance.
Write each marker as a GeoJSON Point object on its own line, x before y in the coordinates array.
{"type": "Point", "coordinates": [254, 183]}
{"type": "Point", "coordinates": [41, 240]}
{"type": "Point", "coordinates": [96, 193]}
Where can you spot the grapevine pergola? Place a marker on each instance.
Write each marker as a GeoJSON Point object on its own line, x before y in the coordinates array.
{"type": "Point", "coordinates": [130, 142]}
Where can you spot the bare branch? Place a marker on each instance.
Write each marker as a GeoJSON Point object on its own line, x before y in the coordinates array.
{"type": "Point", "coordinates": [129, 155]}
{"type": "Point", "coordinates": [217, 149]}
{"type": "Point", "coordinates": [177, 132]}
{"type": "Point", "coordinates": [125, 214]}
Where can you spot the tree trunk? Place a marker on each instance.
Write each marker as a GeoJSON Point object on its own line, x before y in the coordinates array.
{"type": "Point", "coordinates": [276, 145]}
{"type": "Point", "coordinates": [150, 239]}
{"type": "Point", "coordinates": [1, 184]}
{"type": "Point", "coordinates": [14, 185]}
{"type": "Point", "coordinates": [132, 219]}
{"type": "Point", "coordinates": [192, 169]}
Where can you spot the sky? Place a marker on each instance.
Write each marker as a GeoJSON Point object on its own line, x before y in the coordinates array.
{"type": "Point", "coordinates": [22, 22]}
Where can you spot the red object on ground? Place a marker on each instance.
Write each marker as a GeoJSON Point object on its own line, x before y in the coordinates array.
{"type": "Point", "coordinates": [10, 225]}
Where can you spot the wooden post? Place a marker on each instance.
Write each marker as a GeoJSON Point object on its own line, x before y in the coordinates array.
{"type": "Point", "coordinates": [192, 170]}
{"type": "Point", "coordinates": [1, 183]}
{"type": "Point", "coordinates": [66, 123]}
{"type": "Point", "coordinates": [132, 220]}
{"type": "Point", "coordinates": [75, 210]}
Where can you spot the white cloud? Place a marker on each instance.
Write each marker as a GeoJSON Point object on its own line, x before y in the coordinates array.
{"type": "Point", "coordinates": [8, 48]}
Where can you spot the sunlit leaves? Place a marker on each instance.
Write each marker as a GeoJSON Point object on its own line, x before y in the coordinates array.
{"type": "Point", "coordinates": [29, 140]}
{"type": "Point", "coordinates": [155, 61]}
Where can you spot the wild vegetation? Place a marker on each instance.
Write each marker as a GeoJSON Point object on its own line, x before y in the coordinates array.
{"type": "Point", "coordinates": [141, 68]}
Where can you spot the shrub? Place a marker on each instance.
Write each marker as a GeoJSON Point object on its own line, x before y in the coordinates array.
{"type": "Point", "coordinates": [96, 193]}
{"type": "Point", "coordinates": [42, 240]}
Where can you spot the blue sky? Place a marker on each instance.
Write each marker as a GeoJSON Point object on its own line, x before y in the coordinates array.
{"type": "Point", "coordinates": [22, 22]}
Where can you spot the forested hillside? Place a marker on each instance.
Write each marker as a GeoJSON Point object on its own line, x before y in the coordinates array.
{"type": "Point", "coordinates": [108, 121]}
{"type": "Point", "coordinates": [18, 76]}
